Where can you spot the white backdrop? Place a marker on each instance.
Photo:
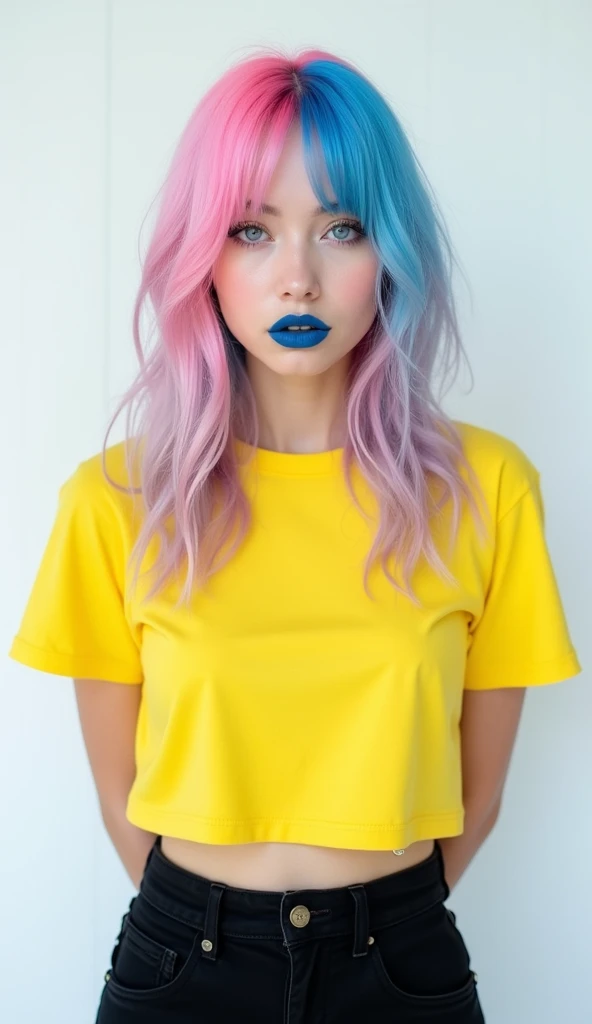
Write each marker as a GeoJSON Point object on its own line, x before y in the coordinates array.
{"type": "Point", "coordinates": [496, 100]}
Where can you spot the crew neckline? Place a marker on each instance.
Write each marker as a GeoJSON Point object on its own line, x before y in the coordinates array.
{"type": "Point", "coordinates": [291, 463]}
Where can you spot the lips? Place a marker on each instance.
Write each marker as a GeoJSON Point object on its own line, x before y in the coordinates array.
{"type": "Point", "coordinates": [317, 332]}
{"type": "Point", "coordinates": [299, 321]}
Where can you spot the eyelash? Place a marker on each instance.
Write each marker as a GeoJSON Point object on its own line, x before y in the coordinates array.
{"type": "Point", "coordinates": [237, 228]}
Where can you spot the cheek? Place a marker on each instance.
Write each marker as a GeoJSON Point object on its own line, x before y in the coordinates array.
{"type": "Point", "coordinates": [356, 287]}
{"type": "Point", "coordinates": [234, 287]}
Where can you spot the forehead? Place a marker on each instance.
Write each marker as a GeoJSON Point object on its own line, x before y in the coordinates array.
{"type": "Point", "coordinates": [274, 211]}
{"type": "Point", "coordinates": [289, 188]}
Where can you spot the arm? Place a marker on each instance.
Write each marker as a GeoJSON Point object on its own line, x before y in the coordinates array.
{"type": "Point", "coordinates": [108, 715]}
{"type": "Point", "coordinates": [489, 725]}
{"type": "Point", "coordinates": [133, 844]}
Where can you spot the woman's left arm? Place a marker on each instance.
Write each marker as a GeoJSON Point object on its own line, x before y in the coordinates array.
{"type": "Point", "coordinates": [489, 725]}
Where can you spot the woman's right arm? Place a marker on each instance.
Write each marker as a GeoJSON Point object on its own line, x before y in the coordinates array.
{"type": "Point", "coordinates": [108, 715]}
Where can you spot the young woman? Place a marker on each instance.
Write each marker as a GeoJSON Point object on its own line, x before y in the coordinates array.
{"type": "Point", "coordinates": [301, 605]}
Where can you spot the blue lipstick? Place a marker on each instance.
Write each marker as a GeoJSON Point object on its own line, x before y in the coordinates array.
{"type": "Point", "coordinates": [299, 339]}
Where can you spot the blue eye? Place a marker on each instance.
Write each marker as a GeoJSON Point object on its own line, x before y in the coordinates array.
{"type": "Point", "coordinates": [237, 229]}
{"type": "Point", "coordinates": [348, 227]}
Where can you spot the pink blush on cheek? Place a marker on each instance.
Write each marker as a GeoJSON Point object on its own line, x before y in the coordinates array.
{"type": "Point", "coordinates": [241, 290]}
{"type": "Point", "coordinates": [356, 288]}
{"type": "Point", "coordinates": [235, 289]}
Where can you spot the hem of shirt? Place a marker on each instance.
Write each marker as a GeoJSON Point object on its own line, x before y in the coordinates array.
{"type": "Point", "coordinates": [496, 676]}
{"type": "Point", "coordinates": [77, 666]}
{"type": "Point", "coordinates": [343, 835]}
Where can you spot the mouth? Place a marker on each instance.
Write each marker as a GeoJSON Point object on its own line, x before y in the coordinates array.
{"type": "Point", "coordinates": [299, 331]}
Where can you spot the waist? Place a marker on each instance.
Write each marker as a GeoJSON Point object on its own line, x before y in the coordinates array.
{"type": "Point", "coordinates": [282, 866]}
{"type": "Point", "coordinates": [244, 911]}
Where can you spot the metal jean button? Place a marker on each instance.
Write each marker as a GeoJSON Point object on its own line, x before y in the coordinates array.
{"type": "Point", "coordinates": [300, 916]}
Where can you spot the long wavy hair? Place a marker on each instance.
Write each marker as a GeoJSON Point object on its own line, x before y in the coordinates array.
{"type": "Point", "coordinates": [192, 396]}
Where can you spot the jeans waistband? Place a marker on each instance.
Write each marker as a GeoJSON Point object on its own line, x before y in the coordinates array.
{"type": "Point", "coordinates": [295, 915]}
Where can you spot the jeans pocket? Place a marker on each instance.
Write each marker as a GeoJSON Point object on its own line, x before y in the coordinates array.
{"type": "Point", "coordinates": [154, 954]}
{"type": "Point", "coordinates": [423, 961]}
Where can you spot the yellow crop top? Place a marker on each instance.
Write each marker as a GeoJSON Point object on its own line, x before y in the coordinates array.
{"type": "Point", "coordinates": [283, 704]}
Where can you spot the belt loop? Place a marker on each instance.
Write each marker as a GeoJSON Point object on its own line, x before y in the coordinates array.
{"type": "Point", "coordinates": [209, 942]}
{"type": "Point", "coordinates": [361, 920]}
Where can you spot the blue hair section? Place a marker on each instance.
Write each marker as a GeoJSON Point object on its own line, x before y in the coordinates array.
{"type": "Point", "coordinates": [349, 130]}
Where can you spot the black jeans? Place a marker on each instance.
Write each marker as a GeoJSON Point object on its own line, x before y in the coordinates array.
{"type": "Point", "coordinates": [195, 951]}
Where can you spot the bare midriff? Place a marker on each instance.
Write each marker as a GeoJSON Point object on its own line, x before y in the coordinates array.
{"type": "Point", "coordinates": [282, 866]}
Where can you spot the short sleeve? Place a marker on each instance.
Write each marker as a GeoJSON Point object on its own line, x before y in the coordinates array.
{"type": "Point", "coordinates": [75, 620]}
{"type": "Point", "coordinates": [521, 638]}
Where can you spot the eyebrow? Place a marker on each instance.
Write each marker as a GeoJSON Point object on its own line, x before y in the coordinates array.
{"type": "Point", "coordinates": [274, 212]}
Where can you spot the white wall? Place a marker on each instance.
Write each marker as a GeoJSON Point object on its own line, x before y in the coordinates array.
{"type": "Point", "coordinates": [496, 98]}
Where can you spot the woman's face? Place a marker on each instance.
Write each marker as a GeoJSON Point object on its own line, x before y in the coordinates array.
{"type": "Point", "coordinates": [296, 261]}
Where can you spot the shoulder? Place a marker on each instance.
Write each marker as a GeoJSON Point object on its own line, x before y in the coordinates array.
{"type": "Point", "coordinates": [99, 482]}
{"type": "Point", "coordinates": [504, 469]}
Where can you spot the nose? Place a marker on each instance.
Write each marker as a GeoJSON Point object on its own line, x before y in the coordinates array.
{"type": "Point", "coordinates": [297, 276]}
